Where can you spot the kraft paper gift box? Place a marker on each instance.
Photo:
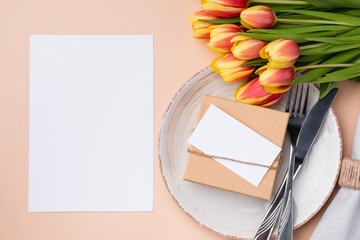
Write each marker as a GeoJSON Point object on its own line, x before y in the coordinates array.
{"type": "Point", "coordinates": [269, 123]}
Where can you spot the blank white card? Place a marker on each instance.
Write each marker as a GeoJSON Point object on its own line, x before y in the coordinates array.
{"type": "Point", "coordinates": [219, 134]}
{"type": "Point", "coordinates": [91, 123]}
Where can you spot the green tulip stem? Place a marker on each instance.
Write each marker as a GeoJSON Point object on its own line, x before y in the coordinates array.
{"type": "Point", "coordinates": [325, 66]}
{"type": "Point", "coordinates": [286, 20]}
{"type": "Point", "coordinates": [303, 70]}
{"type": "Point", "coordinates": [289, 2]}
{"type": "Point", "coordinates": [312, 46]}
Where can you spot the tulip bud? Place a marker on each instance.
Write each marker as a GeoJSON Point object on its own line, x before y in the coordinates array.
{"type": "Point", "coordinates": [252, 92]}
{"type": "Point", "coordinates": [282, 53]}
{"type": "Point", "coordinates": [201, 29]}
{"type": "Point", "coordinates": [220, 37]}
{"type": "Point", "coordinates": [230, 68]}
{"type": "Point", "coordinates": [274, 79]}
{"type": "Point", "coordinates": [258, 17]}
{"type": "Point", "coordinates": [247, 49]}
{"type": "Point", "coordinates": [224, 8]}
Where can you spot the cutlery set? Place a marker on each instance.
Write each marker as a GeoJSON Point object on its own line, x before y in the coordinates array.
{"type": "Point", "coordinates": [302, 130]}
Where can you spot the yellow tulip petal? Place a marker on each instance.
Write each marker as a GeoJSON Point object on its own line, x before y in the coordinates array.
{"type": "Point", "coordinates": [239, 38]}
{"type": "Point", "coordinates": [214, 66]}
{"type": "Point", "coordinates": [280, 89]}
{"type": "Point", "coordinates": [261, 69]}
{"type": "Point", "coordinates": [201, 15]}
{"type": "Point", "coordinates": [236, 74]}
{"type": "Point", "coordinates": [221, 10]}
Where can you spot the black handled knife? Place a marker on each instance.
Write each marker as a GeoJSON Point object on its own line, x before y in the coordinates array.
{"type": "Point", "coordinates": [267, 225]}
{"type": "Point", "coordinates": [307, 135]}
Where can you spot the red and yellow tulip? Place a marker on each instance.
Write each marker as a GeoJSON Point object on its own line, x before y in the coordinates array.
{"type": "Point", "coordinates": [230, 68]}
{"type": "Point", "coordinates": [221, 36]}
{"type": "Point", "coordinates": [201, 29]}
{"type": "Point", "coordinates": [252, 92]}
{"type": "Point", "coordinates": [248, 48]}
{"type": "Point", "coordinates": [258, 17]}
{"type": "Point", "coordinates": [281, 53]}
{"type": "Point", "coordinates": [224, 8]}
{"type": "Point", "coordinates": [274, 79]}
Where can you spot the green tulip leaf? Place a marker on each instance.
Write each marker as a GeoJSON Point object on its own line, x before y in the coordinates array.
{"type": "Point", "coordinates": [221, 20]}
{"type": "Point", "coordinates": [256, 62]}
{"type": "Point", "coordinates": [284, 26]}
{"type": "Point", "coordinates": [337, 17]}
{"type": "Point", "coordinates": [289, 15]}
{"type": "Point", "coordinates": [356, 31]}
{"type": "Point", "coordinates": [342, 57]}
{"type": "Point", "coordinates": [337, 40]}
{"type": "Point", "coordinates": [312, 58]}
{"type": "Point", "coordinates": [348, 70]}
{"type": "Point", "coordinates": [299, 38]}
{"type": "Point", "coordinates": [329, 49]}
{"type": "Point", "coordinates": [335, 3]}
{"type": "Point", "coordinates": [336, 78]}
{"type": "Point", "coordinates": [325, 89]}
{"type": "Point", "coordinates": [320, 28]}
{"type": "Point", "coordinates": [353, 12]}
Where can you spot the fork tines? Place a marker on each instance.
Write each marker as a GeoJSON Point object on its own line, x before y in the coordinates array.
{"type": "Point", "coordinates": [297, 100]}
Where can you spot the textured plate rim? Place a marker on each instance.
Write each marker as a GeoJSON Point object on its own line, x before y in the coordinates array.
{"type": "Point", "coordinates": [203, 225]}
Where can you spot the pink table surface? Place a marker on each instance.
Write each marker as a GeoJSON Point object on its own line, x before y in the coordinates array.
{"type": "Point", "coordinates": [177, 56]}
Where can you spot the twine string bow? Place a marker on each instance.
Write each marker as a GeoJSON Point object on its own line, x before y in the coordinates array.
{"type": "Point", "coordinates": [276, 166]}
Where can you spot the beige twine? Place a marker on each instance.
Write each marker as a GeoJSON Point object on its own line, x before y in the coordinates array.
{"type": "Point", "coordinates": [235, 160]}
{"type": "Point", "coordinates": [350, 173]}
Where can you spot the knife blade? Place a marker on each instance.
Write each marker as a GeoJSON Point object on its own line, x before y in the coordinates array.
{"type": "Point", "coordinates": [312, 124]}
{"type": "Point", "coordinates": [307, 135]}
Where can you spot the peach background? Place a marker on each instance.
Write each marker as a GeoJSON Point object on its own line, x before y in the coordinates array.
{"type": "Point", "coordinates": [176, 58]}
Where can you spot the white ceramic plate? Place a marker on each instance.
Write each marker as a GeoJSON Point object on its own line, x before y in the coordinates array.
{"type": "Point", "coordinates": [230, 214]}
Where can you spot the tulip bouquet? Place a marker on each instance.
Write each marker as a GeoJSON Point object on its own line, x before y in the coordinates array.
{"type": "Point", "coordinates": [269, 45]}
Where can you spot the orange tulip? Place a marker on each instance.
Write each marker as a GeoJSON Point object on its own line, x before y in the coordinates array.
{"type": "Point", "coordinates": [221, 36]}
{"type": "Point", "coordinates": [247, 49]}
{"type": "Point", "coordinates": [224, 8]}
{"type": "Point", "coordinates": [274, 79]}
{"type": "Point", "coordinates": [230, 68]}
{"type": "Point", "coordinates": [258, 17]}
{"type": "Point", "coordinates": [252, 92]}
{"type": "Point", "coordinates": [201, 29]}
{"type": "Point", "coordinates": [282, 53]}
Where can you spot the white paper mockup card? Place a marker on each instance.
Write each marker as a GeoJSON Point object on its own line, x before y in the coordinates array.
{"type": "Point", "coordinates": [91, 123]}
{"type": "Point", "coordinates": [219, 134]}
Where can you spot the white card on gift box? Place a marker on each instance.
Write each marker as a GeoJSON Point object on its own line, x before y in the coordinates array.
{"type": "Point", "coordinates": [91, 123]}
{"type": "Point", "coordinates": [219, 134]}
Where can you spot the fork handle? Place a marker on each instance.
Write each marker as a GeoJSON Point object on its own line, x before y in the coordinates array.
{"type": "Point", "coordinates": [267, 225]}
{"type": "Point", "coordinates": [285, 231]}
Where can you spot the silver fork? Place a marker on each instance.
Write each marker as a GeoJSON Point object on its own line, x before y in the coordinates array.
{"type": "Point", "coordinates": [296, 106]}
{"type": "Point", "coordinates": [297, 117]}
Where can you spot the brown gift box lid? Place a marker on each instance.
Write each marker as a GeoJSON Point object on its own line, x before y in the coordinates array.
{"type": "Point", "coordinates": [268, 122]}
